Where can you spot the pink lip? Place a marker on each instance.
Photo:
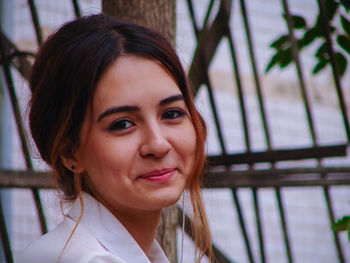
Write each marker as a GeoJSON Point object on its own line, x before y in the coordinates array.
{"type": "Point", "coordinates": [159, 176]}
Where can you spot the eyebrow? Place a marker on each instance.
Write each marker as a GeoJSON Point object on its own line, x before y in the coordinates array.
{"type": "Point", "coordinates": [171, 99]}
{"type": "Point", "coordinates": [129, 108]}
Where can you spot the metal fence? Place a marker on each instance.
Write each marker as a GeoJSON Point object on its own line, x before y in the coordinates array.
{"type": "Point", "coordinates": [221, 173]}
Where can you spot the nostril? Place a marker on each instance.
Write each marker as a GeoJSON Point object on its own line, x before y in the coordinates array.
{"type": "Point", "coordinates": [157, 147]}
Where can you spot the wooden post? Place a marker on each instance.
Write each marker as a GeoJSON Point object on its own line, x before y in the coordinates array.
{"type": "Point", "coordinates": [159, 15]}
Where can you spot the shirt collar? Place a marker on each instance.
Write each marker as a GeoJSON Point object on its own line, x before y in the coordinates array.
{"type": "Point", "coordinates": [111, 233]}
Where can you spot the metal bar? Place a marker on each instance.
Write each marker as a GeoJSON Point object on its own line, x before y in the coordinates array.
{"type": "Point", "coordinates": [193, 18]}
{"type": "Point", "coordinates": [265, 124]}
{"type": "Point", "coordinates": [239, 89]}
{"type": "Point", "coordinates": [306, 102]}
{"type": "Point", "coordinates": [256, 74]}
{"type": "Point", "coordinates": [20, 54]}
{"type": "Point", "coordinates": [246, 130]}
{"type": "Point", "coordinates": [260, 101]}
{"type": "Point", "coordinates": [5, 241]}
{"type": "Point", "coordinates": [258, 222]}
{"type": "Point", "coordinates": [279, 155]}
{"type": "Point", "coordinates": [76, 7]}
{"type": "Point", "coordinates": [331, 217]}
{"type": "Point", "coordinates": [207, 15]}
{"type": "Point", "coordinates": [273, 172]}
{"type": "Point", "coordinates": [284, 226]}
{"type": "Point", "coordinates": [215, 115]}
{"type": "Point", "coordinates": [20, 63]}
{"type": "Point", "coordinates": [253, 178]}
{"type": "Point", "coordinates": [207, 45]}
{"type": "Point", "coordinates": [335, 69]}
{"type": "Point", "coordinates": [26, 179]}
{"type": "Point", "coordinates": [227, 32]}
{"type": "Point", "coordinates": [332, 220]}
{"type": "Point", "coordinates": [205, 72]}
{"type": "Point", "coordinates": [213, 179]}
{"type": "Point", "coordinates": [35, 20]}
{"type": "Point", "coordinates": [218, 254]}
{"type": "Point", "coordinates": [246, 134]}
{"type": "Point", "coordinates": [230, 179]}
{"type": "Point", "coordinates": [259, 225]}
{"type": "Point", "coordinates": [207, 82]}
{"type": "Point", "coordinates": [15, 107]}
{"type": "Point", "coordinates": [197, 31]}
{"type": "Point", "coordinates": [21, 131]}
{"type": "Point", "coordinates": [242, 225]}
{"type": "Point", "coordinates": [200, 54]}
{"type": "Point", "coordinates": [295, 53]}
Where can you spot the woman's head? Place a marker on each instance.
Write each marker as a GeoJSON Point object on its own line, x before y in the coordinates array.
{"type": "Point", "coordinates": [137, 143]}
{"type": "Point", "coordinates": [65, 76]}
{"type": "Point", "coordinates": [65, 79]}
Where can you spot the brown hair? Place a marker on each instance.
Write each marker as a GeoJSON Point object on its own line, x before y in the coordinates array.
{"type": "Point", "coordinates": [63, 81]}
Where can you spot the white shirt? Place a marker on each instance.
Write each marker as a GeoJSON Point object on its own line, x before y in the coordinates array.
{"type": "Point", "coordinates": [99, 238]}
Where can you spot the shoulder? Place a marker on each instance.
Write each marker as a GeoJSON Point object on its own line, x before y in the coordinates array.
{"type": "Point", "coordinates": [45, 247]}
{"type": "Point", "coordinates": [48, 247]}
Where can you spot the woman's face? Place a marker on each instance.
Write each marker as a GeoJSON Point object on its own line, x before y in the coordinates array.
{"type": "Point", "coordinates": [138, 142]}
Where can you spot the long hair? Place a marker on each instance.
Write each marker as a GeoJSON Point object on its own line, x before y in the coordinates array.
{"type": "Point", "coordinates": [63, 81]}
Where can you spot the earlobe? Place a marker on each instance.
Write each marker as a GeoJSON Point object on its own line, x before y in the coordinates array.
{"type": "Point", "coordinates": [73, 164]}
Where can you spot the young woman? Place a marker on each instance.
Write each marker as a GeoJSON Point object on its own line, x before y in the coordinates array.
{"type": "Point", "coordinates": [112, 114]}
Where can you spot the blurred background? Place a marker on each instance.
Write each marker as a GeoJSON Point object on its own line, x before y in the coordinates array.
{"type": "Point", "coordinates": [272, 81]}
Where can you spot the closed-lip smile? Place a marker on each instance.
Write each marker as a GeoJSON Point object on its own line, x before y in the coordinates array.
{"type": "Point", "coordinates": [159, 175]}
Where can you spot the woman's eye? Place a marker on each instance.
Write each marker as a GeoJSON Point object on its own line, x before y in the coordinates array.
{"type": "Point", "coordinates": [173, 114]}
{"type": "Point", "coordinates": [121, 125]}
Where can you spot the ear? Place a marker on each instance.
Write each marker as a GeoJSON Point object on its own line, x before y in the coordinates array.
{"type": "Point", "coordinates": [72, 163]}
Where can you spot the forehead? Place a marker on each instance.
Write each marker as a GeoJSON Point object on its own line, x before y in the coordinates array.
{"type": "Point", "coordinates": [133, 80]}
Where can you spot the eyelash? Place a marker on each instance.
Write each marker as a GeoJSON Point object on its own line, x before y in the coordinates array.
{"type": "Point", "coordinates": [124, 124]}
{"type": "Point", "coordinates": [178, 112]}
{"type": "Point", "coordinates": [115, 126]}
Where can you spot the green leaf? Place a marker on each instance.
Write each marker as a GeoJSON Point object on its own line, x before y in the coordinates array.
{"type": "Point", "coordinates": [278, 44]}
{"type": "Point", "coordinates": [346, 24]}
{"type": "Point", "coordinates": [301, 43]}
{"type": "Point", "coordinates": [273, 61]}
{"type": "Point", "coordinates": [331, 8]}
{"type": "Point", "coordinates": [320, 66]}
{"type": "Point", "coordinates": [342, 224]}
{"type": "Point", "coordinates": [321, 52]}
{"type": "Point", "coordinates": [285, 57]}
{"type": "Point", "coordinates": [309, 36]}
{"type": "Point", "coordinates": [299, 22]}
{"type": "Point", "coordinates": [345, 4]}
{"type": "Point", "coordinates": [344, 43]}
{"type": "Point", "coordinates": [342, 63]}
{"type": "Point", "coordinates": [332, 29]}
{"type": "Point", "coordinates": [318, 27]}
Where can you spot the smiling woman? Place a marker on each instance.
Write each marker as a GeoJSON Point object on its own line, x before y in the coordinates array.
{"type": "Point", "coordinates": [112, 114]}
{"type": "Point", "coordinates": [138, 140]}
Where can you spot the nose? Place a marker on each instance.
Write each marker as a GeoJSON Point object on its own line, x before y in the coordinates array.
{"type": "Point", "coordinates": [155, 143]}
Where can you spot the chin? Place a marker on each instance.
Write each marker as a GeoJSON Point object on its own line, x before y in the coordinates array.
{"type": "Point", "coordinates": [167, 200]}
{"type": "Point", "coordinates": [171, 202]}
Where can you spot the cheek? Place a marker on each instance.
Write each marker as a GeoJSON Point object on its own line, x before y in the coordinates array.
{"type": "Point", "coordinates": [187, 141]}
{"type": "Point", "coordinates": [187, 144]}
{"type": "Point", "coordinates": [107, 165]}
{"type": "Point", "coordinates": [107, 155]}
{"type": "Point", "coordinates": [191, 138]}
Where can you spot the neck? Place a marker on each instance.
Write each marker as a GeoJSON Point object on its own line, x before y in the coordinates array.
{"type": "Point", "coordinates": [141, 224]}
{"type": "Point", "coordinates": [142, 227]}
